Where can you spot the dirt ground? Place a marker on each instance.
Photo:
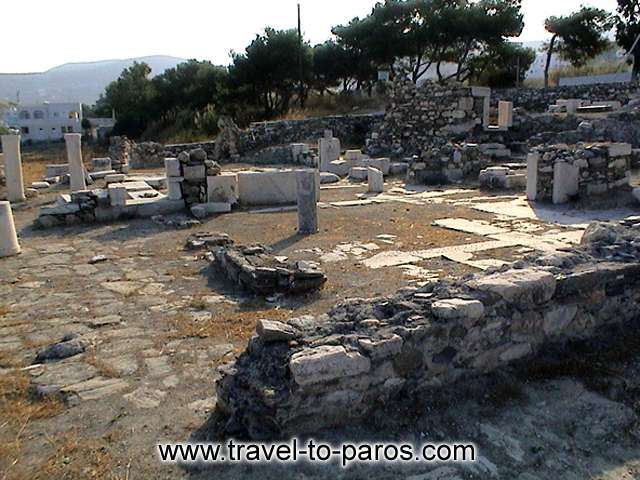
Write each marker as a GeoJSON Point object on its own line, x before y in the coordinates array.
{"type": "Point", "coordinates": [159, 320]}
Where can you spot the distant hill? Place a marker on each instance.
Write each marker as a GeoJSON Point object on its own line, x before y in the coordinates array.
{"type": "Point", "coordinates": [81, 82]}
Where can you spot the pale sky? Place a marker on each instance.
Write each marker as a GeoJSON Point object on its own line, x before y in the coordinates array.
{"type": "Point", "coordinates": [40, 34]}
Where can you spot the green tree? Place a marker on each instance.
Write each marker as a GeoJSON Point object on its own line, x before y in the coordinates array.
{"type": "Point", "coordinates": [578, 37]}
{"type": "Point", "coordinates": [265, 75]}
{"type": "Point", "coordinates": [331, 66]}
{"type": "Point", "coordinates": [628, 31]}
{"type": "Point", "coordinates": [131, 96]}
{"type": "Point", "coordinates": [504, 65]}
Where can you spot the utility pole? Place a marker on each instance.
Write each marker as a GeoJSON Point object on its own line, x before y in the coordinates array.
{"type": "Point", "coordinates": [300, 71]}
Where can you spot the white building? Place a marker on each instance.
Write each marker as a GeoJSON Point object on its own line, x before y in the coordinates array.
{"type": "Point", "coordinates": [48, 121]}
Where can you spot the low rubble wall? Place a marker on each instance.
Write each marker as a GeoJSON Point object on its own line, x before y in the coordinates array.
{"type": "Point", "coordinates": [313, 373]}
{"type": "Point", "coordinates": [539, 99]}
{"type": "Point", "coordinates": [261, 136]}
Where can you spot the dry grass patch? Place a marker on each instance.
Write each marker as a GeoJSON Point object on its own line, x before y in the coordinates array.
{"type": "Point", "coordinates": [229, 324]}
{"type": "Point", "coordinates": [78, 458]}
{"type": "Point", "coordinates": [103, 368]}
{"type": "Point", "coordinates": [17, 410]}
{"type": "Point", "coordinates": [4, 310]}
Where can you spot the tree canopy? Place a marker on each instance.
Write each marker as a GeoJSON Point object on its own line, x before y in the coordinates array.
{"type": "Point", "coordinates": [578, 37]}
{"type": "Point", "coordinates": [628, 30]}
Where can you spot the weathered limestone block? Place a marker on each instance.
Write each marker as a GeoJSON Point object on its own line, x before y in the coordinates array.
{"type": "Point", "coordinates": [326, 363]}
{"type": "Point", "coordinates": [359, 173]}
{"type": "Point", "coordinates": [223, 188]}
{"type": "Point", "coordinates": [375, 180]}
{"type": "Point", "coordinates": [505, 114]}
{"type": "Point", "coordinates": [329, 150]}
{"type": "Point", "coordinates": [527, 286]}
{"type": "Point", "coordinates": [532, 176]}
{"type": "Point", "coordinates": [118, 195]}
{"type": "Point", "coordinates": [101, 164]}
{"type": "Point", "coordinates": [458, 308]}
{"type": "Point", "coordinates": [273, 331]}
{"type": "Point", "coordinates": [565, 182]}
{"type": "Point", "coordinates": [172, 167]}
{"type": "Point", "coordinates": [267, 188]}
{"type": "Point", "coordinates": [56, 170]}
{"type": "Point", "coordinates": [380, 348]}
{"type": "Point", "coordinates": [194, 172]}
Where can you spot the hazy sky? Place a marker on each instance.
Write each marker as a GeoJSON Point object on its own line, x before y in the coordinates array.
{"type": "Point", "coordinates": [40, 34]}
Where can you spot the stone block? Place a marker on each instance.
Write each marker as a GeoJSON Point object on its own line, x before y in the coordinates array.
{"type": "Point", "coordinates": [455, 308]}
{"type": "Point", "coordinates": [353, 155]}
{"type": "Point", "coordinates": [558, 319]}
{"type": "Point", "coordinates": [375, 180]}
{"type": "Point", "coordinates": [339, 167]}
{"type": "Point", "coordinates": [327, 177]}
{"type": "Point", "coordinates": [378, 349]}
{"type": "Point", "coordinates": [174, 188]}
{"type": "Point", "coordinates": [527, 286]}
{"type": "Point", "coordinates": [118, 195]}
{"type": "Point", "coordinates": [172, 167]}
{"type": "Point", "coordinates": [115, 178]}
{"type": "Point", "coordinates": [565, 182]}
{"type": "Point", "coordinates": [223, 188]}
{"type": "Point", "coordinates": [505, 114]}
{"type": "Point", "coordinates": [40, 185]}
{"type": "Point", "coordinates": [329, 150]}
{"type": "Point", "coordinates": [359, 173]}
{"type": "Point", "coordinates": [268, 188]}
{"type": "Point", "coordinates": [101, 164]}
{"type": "Point", "coordinates": [271, 331]}
{"type": "Point", "coordinates": [398, 168]}
{"type": "Point", "coordinates": [326, 363]}
{"type": "Point", "coordinates": [516, 181]}
{"type": "Point", "coordinates": [57, 170]}
{"type": "Point", "coordinates": [382, 164]}
{"type": "Point", "coordinates": [307, 188]}
{"type": "Point", "coordinates": [194, 172]}
{"type": "Point", "coordinates": [619, 150]}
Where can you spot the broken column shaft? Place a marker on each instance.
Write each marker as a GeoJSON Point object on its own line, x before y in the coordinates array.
{"type": "Point", "coordinates": [8, 238]}
{"type": "Point", "coordinates": [307, 201]}
{"type": "Point", "coordinates": [13, 167]}
{"type": "Point", "coordinates": [74, 156]}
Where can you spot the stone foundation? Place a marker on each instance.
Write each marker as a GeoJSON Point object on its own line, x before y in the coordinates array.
{"type": "Point", "coordinates": [313, 373]}
{"type": "Point", "coordinates": [561, 173]}
{"type": "Point", "coordinates": [446, 164]}
{"type": "Point", "coordinates": [256, 270]}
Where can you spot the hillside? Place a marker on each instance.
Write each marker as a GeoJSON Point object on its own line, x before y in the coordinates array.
{"type": "Point", "coordinates": [82, 82]}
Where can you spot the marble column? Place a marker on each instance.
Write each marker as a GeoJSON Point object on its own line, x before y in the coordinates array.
{"type": "Point", "coordinates": [8, 238]}
{"type": "Point", "coordinates": [13, 167]}
{"type": "Point", "coordinates": [307, 201]}
{"type": "Point", "coordinates": [74, 157]}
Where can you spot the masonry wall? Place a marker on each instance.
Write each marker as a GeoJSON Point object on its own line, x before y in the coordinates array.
{"type": "Point", "coordinates": [419, 117]}
{"type": "Point", "coordinates": [600, 168]}
{"type": "Point", "coordinates": [314, 373]}
{"type": "Point", "coordinates": [261, 136]}
{"type": "Point", "coordinates": [538, 100]}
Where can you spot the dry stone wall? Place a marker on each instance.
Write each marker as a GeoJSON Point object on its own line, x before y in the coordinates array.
{"type": "Point", "coordinates": [538, 100]}
{"type": "Point", "coordinates": [312, 373]}
{"type": "Point", "coordinates": [419, 117]}
{"type": "Point", "coordinates": [598, 168]}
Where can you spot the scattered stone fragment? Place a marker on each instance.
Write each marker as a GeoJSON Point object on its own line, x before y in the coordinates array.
{"type": "Point", "coordinates": [63, 349]}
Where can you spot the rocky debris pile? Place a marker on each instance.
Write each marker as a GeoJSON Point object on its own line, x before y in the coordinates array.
{"type": "Point", "coordinates": [421, 117]}
{"type": "Point", "coordinates": [312, 373]}
{"type": "Point", "coordinates": [147, 155]}
{"type": "Point", "coordinates": [593, 168]}
{"type": "Point", "coordinates": [120, 153]}
{"type": "Point", "coordinates": [195, 167]}
{"type": "Point", "coordinates": [179, 223]}
{"type": "Point", "coordinates": [255, 269]}
{"type": "Point", "coordinates": [208, 240]}
{"type": "Point", "coordinates": [448, 163]}
{"type": "Point", "coordinates": [226, 145]}
{"type": "Point", "coordinates": [78, 207]}
{"type": "Point", "coordinates": [614, 242]}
